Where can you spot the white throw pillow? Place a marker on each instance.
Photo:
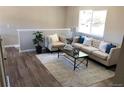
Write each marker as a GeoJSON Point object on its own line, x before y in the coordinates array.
{"type": "Point", "coordinates": [54, 38]}
{"type": "Point", "coordinates": [68, 47]}
{"type": "Point", "coordinates": [87, 41]}
{"type": "Point", "coordinates": [103, 46]}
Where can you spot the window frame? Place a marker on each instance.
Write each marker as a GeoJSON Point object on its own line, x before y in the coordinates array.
{"type": "Point", "coordinates": [91, 25]}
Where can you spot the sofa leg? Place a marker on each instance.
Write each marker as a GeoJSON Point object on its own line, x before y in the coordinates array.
{"type": "Point", "coordinates": [113, 68]}
{"type": "Point", "coordinates": [107, 67]}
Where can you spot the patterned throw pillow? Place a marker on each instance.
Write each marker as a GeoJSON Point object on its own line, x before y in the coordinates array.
{"type": "Point", "coordinates": [96, 43]}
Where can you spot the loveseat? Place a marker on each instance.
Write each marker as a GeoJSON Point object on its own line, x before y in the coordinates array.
{"type": "Point", "coordinates": [107, 59]}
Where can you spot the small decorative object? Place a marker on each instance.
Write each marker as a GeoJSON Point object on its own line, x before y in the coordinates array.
{"type": "Point", "coordinates": [76, 52]}
{"type": "Point", "coordinates": [38, 39]}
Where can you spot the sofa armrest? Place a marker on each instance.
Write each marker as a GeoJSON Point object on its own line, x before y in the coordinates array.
{"type": "Point", "coordinates": [113, 56]}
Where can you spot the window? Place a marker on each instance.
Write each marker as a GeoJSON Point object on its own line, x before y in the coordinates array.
{"type": "Point", "coordinates": [92, 22]}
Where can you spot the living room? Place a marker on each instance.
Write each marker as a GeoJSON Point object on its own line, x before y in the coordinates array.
{"type": "Point", "coordinates": [97, 26]}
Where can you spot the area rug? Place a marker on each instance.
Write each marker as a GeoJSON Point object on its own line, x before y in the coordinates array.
{"type": "Point", "coordinates": [62, 70]}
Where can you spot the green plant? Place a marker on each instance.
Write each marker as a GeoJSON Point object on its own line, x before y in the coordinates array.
{"type": "Point", "coordinates": [38, 38]}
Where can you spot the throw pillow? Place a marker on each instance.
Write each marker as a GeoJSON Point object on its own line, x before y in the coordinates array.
{"type": "Point", "coordinates": [109, 47]}
{"type": "Point", "coordinates": [76, 39]}
{"type": "Point", "coordinates": [103, 46]}
{"type": "Point", "coordinates": [62, 39]}
{"type": "Point", "coordinates": [81, 39]}
{"type": "Point", "coordinates": [96, 43]}
{"type": "Point", "coordinates": [68, 47]}
{"type": "Point", "coordinates": [69, 40]}
{"type": "Point", "coordinates": [54, 38]}
{"type": "Point", "coordinates": [87, 41]}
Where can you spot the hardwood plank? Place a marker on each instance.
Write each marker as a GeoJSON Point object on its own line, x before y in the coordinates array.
{"type": "Point", "coordinates": [25, 70]}
{"type": "Point", "coordinates": [104, 83]}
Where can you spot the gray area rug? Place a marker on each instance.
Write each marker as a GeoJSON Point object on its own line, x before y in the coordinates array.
{"type": "Point", "coordinates": [62, 70]}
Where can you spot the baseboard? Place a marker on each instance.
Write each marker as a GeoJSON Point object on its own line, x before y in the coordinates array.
{"type": "Point", "coordinates": [16, 46]}
{"type": "Point", "coordinates": [8, 82]}
{"type": "Point", "coordinates": [27, 50]}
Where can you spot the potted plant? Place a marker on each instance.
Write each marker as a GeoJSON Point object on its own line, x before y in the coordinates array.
{"type": "Point", "coordinates": [38, 39]}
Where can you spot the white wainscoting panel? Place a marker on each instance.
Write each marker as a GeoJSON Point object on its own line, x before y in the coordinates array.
{"type": "Point", "coordinates": [25, 37]}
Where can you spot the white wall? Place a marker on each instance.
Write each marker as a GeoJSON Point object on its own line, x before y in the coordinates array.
{"type": "Point", "coordinates": [114, 28]}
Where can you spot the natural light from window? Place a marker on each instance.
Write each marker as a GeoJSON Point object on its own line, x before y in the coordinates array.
{"type": "Point", "coordinates": [92, 22]}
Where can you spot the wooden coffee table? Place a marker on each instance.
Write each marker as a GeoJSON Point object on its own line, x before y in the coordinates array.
{"type": "Point", "coordinates": [76, 55]}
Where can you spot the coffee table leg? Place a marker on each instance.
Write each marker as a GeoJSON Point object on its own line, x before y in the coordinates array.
{"type": "Point", "coordinates": [58, 52]}
{"type": "Point", "coordinates": [87, 62]}
{"type": "Point", "coordinates": [74, 64]}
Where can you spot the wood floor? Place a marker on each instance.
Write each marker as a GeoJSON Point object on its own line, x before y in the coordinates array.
{"type": "Point", "coordinates": [25, 70]}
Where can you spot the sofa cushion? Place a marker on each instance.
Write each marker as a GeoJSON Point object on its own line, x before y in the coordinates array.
{"type": "Point", "coordinates": [100, 54]}
{"type": "Point", "coordinates": [77, 45]}
{"type": "Point", "coordinates": [95, 43]}
{"type": "Point", "coordinates": [88, 49]}
{"type": "Point", "coordinates": [58, 44]}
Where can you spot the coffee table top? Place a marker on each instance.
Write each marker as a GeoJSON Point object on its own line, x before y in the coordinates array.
{"type": "Point", "coordinates": [75, 53]}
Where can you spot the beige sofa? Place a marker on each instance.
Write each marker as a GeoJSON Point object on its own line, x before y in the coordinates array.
{"type": "Point", "coordinates": [94, 52]}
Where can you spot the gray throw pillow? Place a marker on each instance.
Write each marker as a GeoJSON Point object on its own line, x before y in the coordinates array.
{"type": "Point", "coordinates": [76, 39]}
